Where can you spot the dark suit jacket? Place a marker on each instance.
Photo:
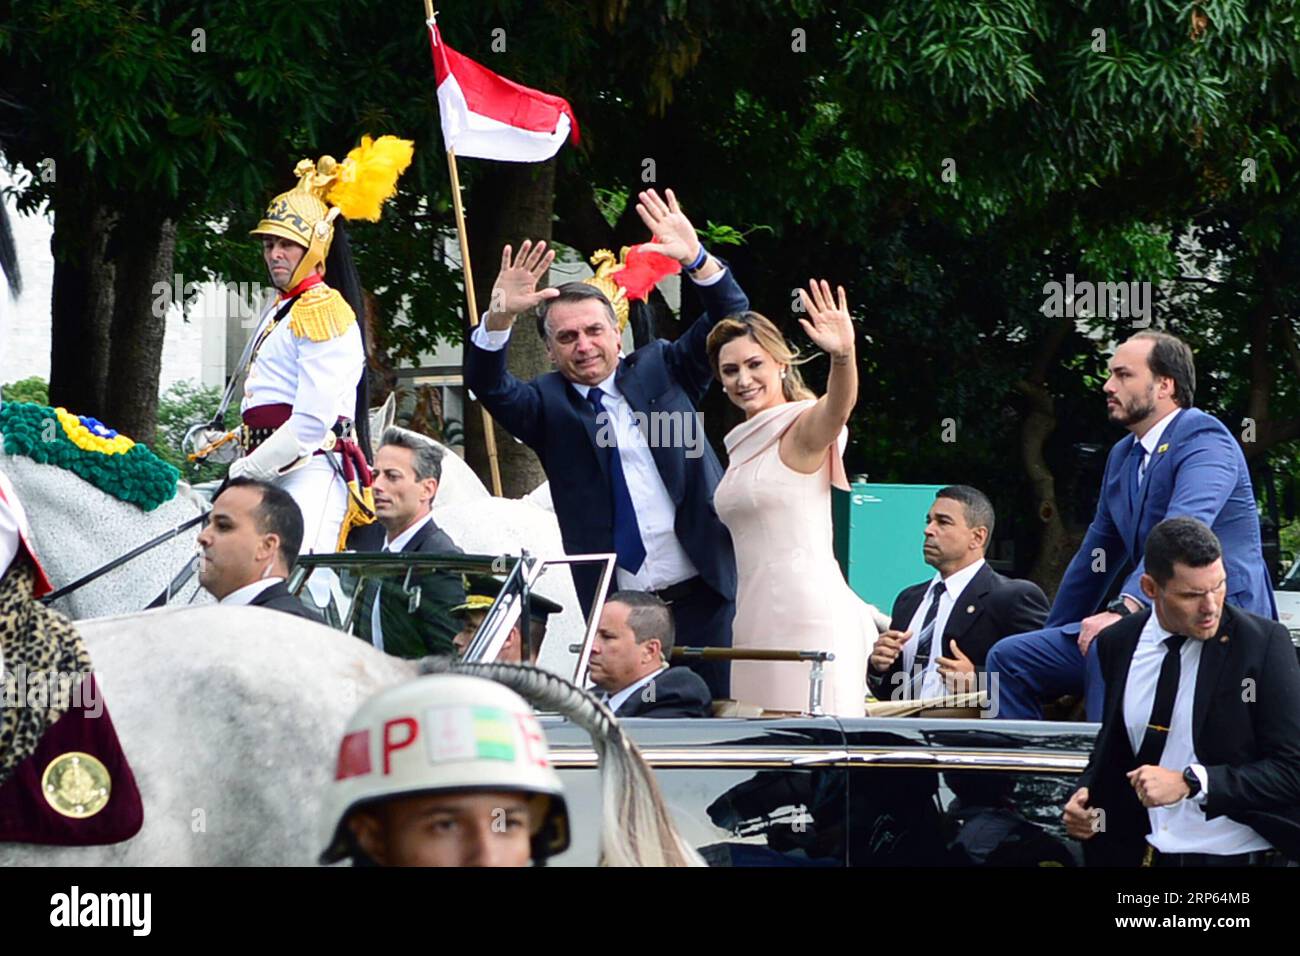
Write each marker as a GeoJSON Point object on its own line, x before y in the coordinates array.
{"type": "Point", "coordinates": [278, 598]}
{"type": "Point", "coordinates": [677, 692]}
{"type": "Point", "coordinates": [1001, 607]}
{"type": "Point", "coordinates": [1245, 731]}
{"type": "Point", "coordinates": [431, 629]}
{"type": "Point", "coordinates": [550, 417]}
{"type": "Point", "coordinates": [1200, 473]}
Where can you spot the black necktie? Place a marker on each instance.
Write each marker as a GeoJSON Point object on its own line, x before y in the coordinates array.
{"type": "Point", "coordinates": [926, 639]}
{"type": "Point", "coordinates": [627, 533]}
{"type": "Point", "coordinates": [1162, 711]}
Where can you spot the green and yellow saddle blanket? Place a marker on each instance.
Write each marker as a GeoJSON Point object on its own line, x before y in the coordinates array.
{"type": "Point", "coordinates": [113, 463]}
{"type": "Point", "coordinates": [64, 779]}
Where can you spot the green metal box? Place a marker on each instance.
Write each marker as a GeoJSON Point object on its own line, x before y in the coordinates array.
{"type": "Point", "coordinates": [879, 530]}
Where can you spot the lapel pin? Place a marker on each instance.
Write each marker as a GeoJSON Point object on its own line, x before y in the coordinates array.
{"type": "Point", "coordinates": [1162, 448]}
{"type": "Point", "coordinates": [970, 608]}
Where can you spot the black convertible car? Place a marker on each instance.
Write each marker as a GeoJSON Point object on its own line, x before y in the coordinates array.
{"type": "Point", "coordinates": [806, 790]}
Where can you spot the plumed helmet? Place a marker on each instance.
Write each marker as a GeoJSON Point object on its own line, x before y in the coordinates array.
{"type": "Point", "coordinates": [355, 188]}
{"type": "Point", "coordinates": [437, 734]}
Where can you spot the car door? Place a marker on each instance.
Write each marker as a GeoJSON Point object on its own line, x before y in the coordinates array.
{"type": "Point", "coordinates": [742, 792]}
{"type": "Point", "coordinates": [941, 792]}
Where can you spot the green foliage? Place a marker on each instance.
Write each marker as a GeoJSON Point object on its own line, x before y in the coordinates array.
{"type": "Point", "coordinates": [34, 389]}
{"type": "Point", "coordinates": [181, 406]}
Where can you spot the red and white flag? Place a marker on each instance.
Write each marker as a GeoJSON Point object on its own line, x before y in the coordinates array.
{"type": "Point", "coordinates": [485, 116]}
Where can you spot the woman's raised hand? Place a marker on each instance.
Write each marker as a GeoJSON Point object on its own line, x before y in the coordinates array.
{"type": "Point", "coordinates": [829, 324]}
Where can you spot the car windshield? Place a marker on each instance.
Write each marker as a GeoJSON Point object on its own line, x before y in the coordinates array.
{"type": "Point", "coordinates": [414, 605]}
{"type": "Point", "coordinates": [1291, 582]}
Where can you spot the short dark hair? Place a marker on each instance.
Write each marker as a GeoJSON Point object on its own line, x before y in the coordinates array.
{"type": "Point", "coordinates": [975, 504]}
{"type": "Point", "coordinates": [573, 292]}
{"type": "Point", "coordinates": [648, 617]}
{"type": "Point", "coordinates": [1183, 540]}
{"type": "Point", "coordinates": [277, 514]}
{"type": "Point", "coordinates": [427, 457]}
{"type": "Point", "coordinates": [1171, 357]}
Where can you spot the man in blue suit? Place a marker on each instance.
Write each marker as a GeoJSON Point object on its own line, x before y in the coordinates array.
{"type": "Point", "coordinates": [615, 488]}
{"type": "Point", "coordinates": [1175, 461]}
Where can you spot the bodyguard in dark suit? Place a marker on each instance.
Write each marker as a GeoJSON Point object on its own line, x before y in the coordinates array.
{"type": "Point", "coordinates": [407, 469]}
{"type": "Point", "coordinates": [1198, 758]}
{"type": "Point", "coordinates": [967, 602]}
{"type": "Point", "coordinates": [278, 598]}
{"type": "Point", "coordinates": [248, 547]}
{"type": "Point", "coordinates": [1176, 460]}
{"type": "Point", "coordinates": [629, 661]}
{"type": "Point", "coordinates": [649, 501]}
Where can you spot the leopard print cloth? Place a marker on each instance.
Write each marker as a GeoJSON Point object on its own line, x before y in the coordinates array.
{"type": "Point", "coordinates": [44, 659]}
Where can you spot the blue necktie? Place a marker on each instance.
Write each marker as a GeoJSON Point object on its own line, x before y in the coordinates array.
{"type": "Point", "coordinates": [1139, 453]}
{"type": "Point", "coordinates": [627, 534]}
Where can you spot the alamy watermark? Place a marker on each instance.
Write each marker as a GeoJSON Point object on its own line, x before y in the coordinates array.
{"type": "Point", "coordinates": [42, 690]}
{"type": "Point", "coordinates": [658, 430]}
{"type": "Point", "coordinates": [1122, 300]}
{"type": "Point", "coordinates": [249, 297]}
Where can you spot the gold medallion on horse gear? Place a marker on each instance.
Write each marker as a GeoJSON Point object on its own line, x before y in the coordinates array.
{"type": "Point", "coordinates": [76, 785]}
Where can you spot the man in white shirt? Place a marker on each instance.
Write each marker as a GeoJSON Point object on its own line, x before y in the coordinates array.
{"type": "Point", "coordinates": [249, 545]}
{"type": "Point", "coordinates": [648, 501]}
{"type": "Point", "coordinates": [629, 661]}
{"type": "Point", "coordinates": [1198, 759]}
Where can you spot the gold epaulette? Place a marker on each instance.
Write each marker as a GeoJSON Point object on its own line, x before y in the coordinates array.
{"type": "Point", "coordinates": [320, 314]}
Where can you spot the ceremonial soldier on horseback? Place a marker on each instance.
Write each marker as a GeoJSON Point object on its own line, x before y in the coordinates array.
{"type": "Point", "coordinates": [305, 401]}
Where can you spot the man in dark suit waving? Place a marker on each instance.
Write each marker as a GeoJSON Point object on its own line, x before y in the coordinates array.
{"type": "Point", "coordinates": [1176, 460]}
{"type": "Point", "coordinates": [408, 467]}
{"type": "Point", "coordinates": [967, 602]}
{"type": "Point", "coordinates": [650, 502]}
{"type": "Point", "coordinates": [1198, 758]}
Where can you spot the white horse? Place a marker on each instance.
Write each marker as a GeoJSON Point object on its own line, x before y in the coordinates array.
{"type": "Point", "coordinates": [231, 720]}
{"type": "Point", "coordinates": [76, 528]}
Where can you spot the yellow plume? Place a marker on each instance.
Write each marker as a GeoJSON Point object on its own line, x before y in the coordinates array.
{"type": "Point", "coordinates": [369, 176]}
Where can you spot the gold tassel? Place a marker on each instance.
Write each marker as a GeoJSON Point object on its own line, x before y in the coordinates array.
{"type": "Point", "coordinates": [320, 314]}
{"type": "Point", "coordinates": [359, 514]}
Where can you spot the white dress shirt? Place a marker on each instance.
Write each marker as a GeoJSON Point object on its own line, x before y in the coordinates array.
{"type": "Point", "coordinates": [397, 544]}
{"type": "Point", "coordinates": [931, 683]}
{"type": "Point", "coordinates": [666, 562]}
{"type": "Point", "coordinates": [246, 594]}
{"type": "Point", "coordinates": [618, 700]}
{"type": "Point", "coordinates": [1182, 827]}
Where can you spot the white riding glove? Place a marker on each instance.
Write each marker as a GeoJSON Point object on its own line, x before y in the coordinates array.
{"type": "Point", "coordinates": [271, 459]}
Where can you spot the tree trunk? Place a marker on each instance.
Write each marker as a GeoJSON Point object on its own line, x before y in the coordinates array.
{"type": "Point", "coordinates": [143, 247]}
{"type": "Point", "coordinates": [1056, 544]}
{"type": "Point", "coordinates": [511, 202]}
{"type": "Point", "coordinates": [81, 304]}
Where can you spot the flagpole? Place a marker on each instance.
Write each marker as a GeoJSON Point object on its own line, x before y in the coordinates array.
{"type": "Point", "coordinates": [489, 431]}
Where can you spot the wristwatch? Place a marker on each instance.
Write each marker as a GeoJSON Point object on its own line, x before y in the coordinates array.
{"type": "Point", "coordinates": [1193, 782]}
{"type": "Point", "coordinates": [1119, 606]}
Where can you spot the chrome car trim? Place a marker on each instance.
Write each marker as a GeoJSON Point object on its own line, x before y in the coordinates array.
{"type": "Point", "coordinates": [704, 757]}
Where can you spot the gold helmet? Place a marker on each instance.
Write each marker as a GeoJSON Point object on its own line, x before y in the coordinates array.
{"type": "Point", "coordinates": [355, 188]}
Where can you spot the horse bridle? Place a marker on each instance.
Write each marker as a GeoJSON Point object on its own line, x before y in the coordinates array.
{"type": "Point", "coordinates": [177, 582]}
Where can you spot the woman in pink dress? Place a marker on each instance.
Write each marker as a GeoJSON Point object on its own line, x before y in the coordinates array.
{"type": "Point", "coordinates": [775, 499]}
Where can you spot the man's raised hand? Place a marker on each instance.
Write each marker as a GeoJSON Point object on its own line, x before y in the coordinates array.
{"type": "Point", "coordinates": [674, 236]}
{"type": "Point", "coordinates": [515, 289]}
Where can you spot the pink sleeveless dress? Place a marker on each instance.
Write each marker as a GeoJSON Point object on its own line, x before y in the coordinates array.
{"type": "Point", "coordinates": [791, 594]}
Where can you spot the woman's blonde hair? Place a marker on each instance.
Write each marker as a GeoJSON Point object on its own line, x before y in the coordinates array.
{"type": "Point", "coordinates": [760, 330]}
